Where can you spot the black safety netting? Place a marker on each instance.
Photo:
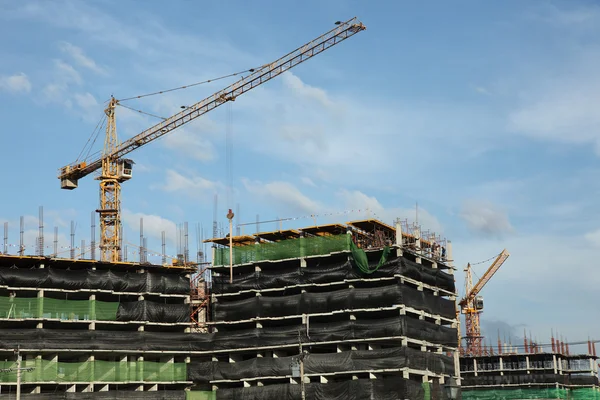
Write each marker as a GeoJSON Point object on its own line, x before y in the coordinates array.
{"type": "Point", "coordinates": [359, 389]}
{"type": "Point", "coordinates": [323, 302]}
{"type": "Point", "coordinates": [521, 379]}
{"type": "Point", "coordinates": [319, 363]}
{"type": "Point", "coordinates": [330, 272]}
{"type": "Point", "coordinates": [268, 336]}
{"type": "Point", "coordinates": [108, 395]}
{"type": "Point", "coordinates": [118, 281]}
{"type": "Point", "coordinates": [150, 311]}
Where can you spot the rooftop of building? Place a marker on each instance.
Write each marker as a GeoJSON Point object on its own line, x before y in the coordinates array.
{"type": "Point", "coordinates": [367, 234]}
{"type": "Point", "coordinates": [26, 261]}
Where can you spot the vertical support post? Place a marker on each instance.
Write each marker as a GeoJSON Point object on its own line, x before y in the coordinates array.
{"type": "Point", "coordinates": [41, 233]}
{"type": "Point", "coordinates": [164, 247]}
{"type": "Point", "coordinates": [82, 256]}
{"type": "Point", "coordinates": [186, 244]}
{"type": "Point", "coordinates": [55, 253]}
{"type": "Point", "coordinates": [21, 245]}
{"type": "Point", "coordinates": [399, 238]}
{"type": "Point", "coordinates": [72, 240]}
{"type": "Point", "coordinates": [141, 240]}
{"type": "Point", "coordinates": [93, 237]}
{"type": "Point", "coordinates": [230, 216]}
{"type": "Point", "coordinates": [145, 249]}
{"type": "Point", "coordinates": [449, 257]}
{"type": "Point", "coordinates": [5, 238]}
{"type": "Point", "coordinates": [238, 228]}
{"type": "Point", "coordinates": [19, 359]}
{"type": "Point", "coordinates": [302, 388]}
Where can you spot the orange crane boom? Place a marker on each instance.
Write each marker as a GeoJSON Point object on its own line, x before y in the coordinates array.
{"type": "Point", "coordinates": [115, 169]}
{"type": "Point", "coordinates": [472, 305]}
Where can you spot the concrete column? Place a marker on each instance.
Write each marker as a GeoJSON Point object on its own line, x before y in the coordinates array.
{"type": "Point", "coordinates": [302, 240]}
{"type": "Point", "coordinates": [475, 366]}
{"type": "Point", "coordinates": [399, 252]}
{"type": "Point", "coordinates": [123, 371]}
{"type": "Point", "coordinates": [418, 259]}
{"type": "Point", "coordinates": [92, 301]}
{"type": "Point", "coordinates": [92, 361]}
{"type": "Point", "coordinates": [140, 369]}
{"type": "Point", "coordinates": [39, 370]}
{"type": "Point", "coordinates": [554, 364]}
{"type": "Point", "coordinates": [40, 303]}
{"type": "Point", "coordinates": [449, 256]}
{"type": "Point", "coordinates": [278, 354]}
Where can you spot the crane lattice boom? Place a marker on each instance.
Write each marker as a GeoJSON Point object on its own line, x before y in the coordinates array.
{"type": "Point", "coordinates": [472, 305]}
{"type": "Point", "coordinates": [343, 31]}
{"type": "Point", "coordinates": [116, 169]}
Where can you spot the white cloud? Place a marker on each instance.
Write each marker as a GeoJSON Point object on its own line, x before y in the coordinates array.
{"type": "Point", "coordinates": [565, 115]}
{"type": "Point", "coordinates": [357, 138]}
{"type": "Point", "coordinates": [86, 100]}
{"type": "Point", "coordinates": [485, 218]}
{"type": "Point", "coordinates": [307, 181]}
{"type": "Point", "coordinates": [301, 89]}
{"type": "Point", "coordinates": [80, 58]}
{"type": "Point", "coordinates": [593, 238]}
{"type": "Point", "coordinates": [357, 200]}
{"type": "Point", "coordinates": [577, 17]}
{"type": "Point", "coordinates": [191, 185]}
{"type": "Point", "coordinates": [539, 269]}
{"type": "Point", "coordinates": [15, 83]}
{"type": "Point", "coordinates": [66, 74]}
{"type": "Point", "coordinates": [192, 143]}
{"type": "Point", "coordinates": [283, 195]}
{"type": "Point", "coordinates": [154, 225]}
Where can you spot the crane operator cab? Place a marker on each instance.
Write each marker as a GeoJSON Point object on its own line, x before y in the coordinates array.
{"type": "Point", "coordinates": [478, 303]}
{"type": "Point", "coordinates": [124, 169]}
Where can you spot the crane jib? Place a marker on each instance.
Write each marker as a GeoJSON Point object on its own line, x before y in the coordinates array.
{"type": "Point", "coordinates": [343, 31]}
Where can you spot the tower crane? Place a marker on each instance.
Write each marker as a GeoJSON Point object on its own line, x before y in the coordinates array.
{"type": "Point", "coordinates": [472, 304]}
{"type": "Point", "coordinates": [115, 169]}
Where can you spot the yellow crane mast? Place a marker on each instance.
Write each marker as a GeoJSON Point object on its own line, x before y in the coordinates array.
{"type": "Point", "coordinates": [115, 169]}
{"type": "Point", "coordinates": [472, 305]}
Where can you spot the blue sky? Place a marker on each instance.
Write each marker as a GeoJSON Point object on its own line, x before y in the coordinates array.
{"type": "Point", "coordinates": [483, 113]}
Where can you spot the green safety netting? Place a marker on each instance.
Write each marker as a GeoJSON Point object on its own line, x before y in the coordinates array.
{"type": "Point", "coordinates": [290, 248]}
{"type": "Point", "coordinates": [548, 393]}
{"type": "Point", "coordinates": [200, 395]}
{"type": "Point", "coordinates": [361, 261]}
{"type": "Point", "coordinates": [96, 371]}
{"type": "Point", "coordinates": [43, 307]}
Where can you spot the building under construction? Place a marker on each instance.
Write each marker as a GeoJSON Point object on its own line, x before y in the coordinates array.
{"type": "Point", "coordinates": [94, 330]}
{"type": "Point", "coordinates": [355, 311]}
{"type": "Point", "coordinates": [537, 372]}
{"type": "Point", "coordinates": [360, 310]}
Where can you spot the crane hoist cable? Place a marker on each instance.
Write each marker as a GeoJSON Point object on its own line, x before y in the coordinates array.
{"type": "Point", "coordinates": [94, 135]}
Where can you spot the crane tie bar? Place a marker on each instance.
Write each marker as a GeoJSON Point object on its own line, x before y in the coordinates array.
{"type": "Point", "coordinates": [193, 84]}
